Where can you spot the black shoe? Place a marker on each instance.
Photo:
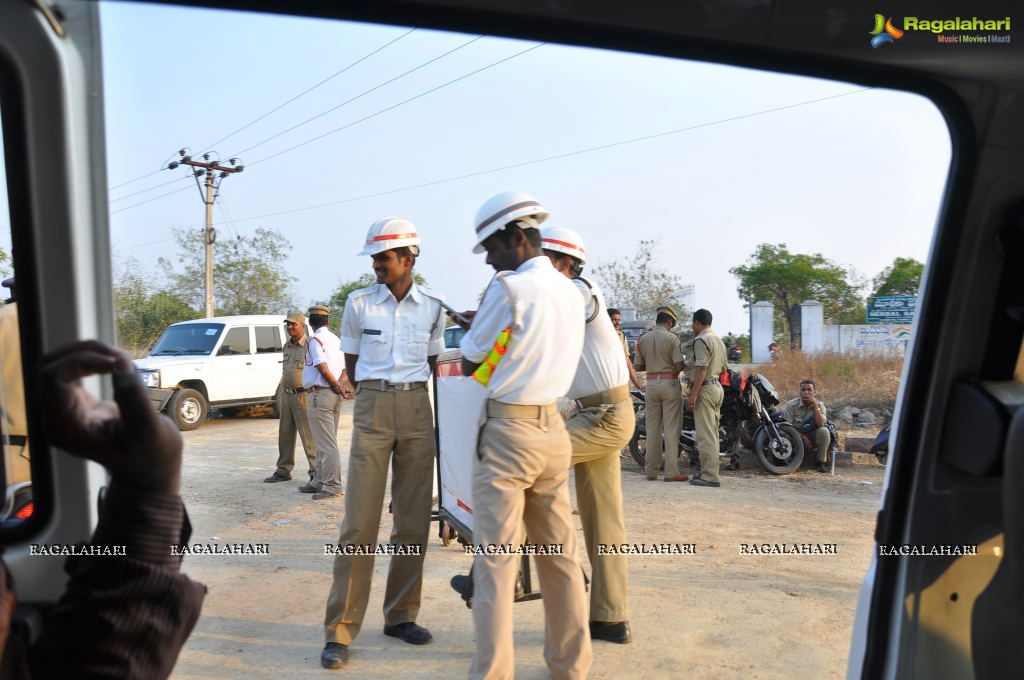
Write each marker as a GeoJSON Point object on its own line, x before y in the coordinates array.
{"type": "Point", "coordinates": [335, 655]}
{"type": "Point", "coordinates": [409, 632]}
{"type": "Point", "coordinates": [309, 488]}
{"type": "Point", "coordinates": [612, 632]}
{"type": "Point", "coordinates": [463, 585]}
{"type": "Point", "coordinates": [821, 467]}
{"type": "Point", "coordinates": [277, 478]}
{"type": "Point", "coordinates": [700, 481]}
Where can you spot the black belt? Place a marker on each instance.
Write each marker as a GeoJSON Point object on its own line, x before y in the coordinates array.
{"type": "Point", "coordinates": [297, 390]}
{"type": "Point", "coordinates": [385, 386]}
{"type": "Point", "coordinates": [13, 440]}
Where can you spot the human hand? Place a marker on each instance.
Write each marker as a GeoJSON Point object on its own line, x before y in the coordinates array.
{"type": "Point", "coordinates": [137, 445]}
{"type": "Point", "coordinates": [463, 320]}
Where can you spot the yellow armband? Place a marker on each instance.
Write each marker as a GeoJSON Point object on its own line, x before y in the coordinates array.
{"type": "Point", "coordinates": [484, 371]}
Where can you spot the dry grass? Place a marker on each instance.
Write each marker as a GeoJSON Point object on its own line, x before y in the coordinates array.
{"type": "Point", "coordinates": [840, 379]}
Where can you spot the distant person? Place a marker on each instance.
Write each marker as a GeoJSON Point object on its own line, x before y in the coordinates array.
{"type": "Point", "coordinates": [521, 470]}
{"type": "Point", "coordinates": [391, 334]}
{"type": "Point", "coordinates": [598, 430]}
{"type": "Point", "coordinates": [774, 351]}
{"type": "Point", "coordinates": [616, 316]}
{"type": "Point", "coordinates": [807, 414]}
{"type": "Point", "coordinates": [121, 616]}
{"type": "Point", "coordinates": [294, 416]}
{"type": "Point", "coordinates": [323, 376]}
{"type": "Point", "coordinates": [13, 421]}
{"type": "Point", "coordinates": [658, 352]}
{"type": "Point", "coordinates": [706, 395]}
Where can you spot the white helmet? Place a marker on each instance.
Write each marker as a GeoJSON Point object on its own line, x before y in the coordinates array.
{"type": "Point", "coordinates": [564, 240]}
{"type": "Point", "coordinates": [389, 233]}
{"type": "Point", "coordinates": [504, 208]}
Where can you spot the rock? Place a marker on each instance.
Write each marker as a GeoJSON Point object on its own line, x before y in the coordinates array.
{"type": "Point", "coordinates": [866, 419]}
{"type": "Point", "coordinates": [842, 417]}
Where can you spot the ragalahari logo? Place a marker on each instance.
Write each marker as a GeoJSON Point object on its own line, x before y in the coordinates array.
{"type": "Point", "coordinates": [884, 31]}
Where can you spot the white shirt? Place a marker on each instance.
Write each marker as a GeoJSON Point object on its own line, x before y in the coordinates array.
{"type": "Point", "coordinates": [546, 316]}
{"type": "Point", "coordinates": [328, 351]}
{"type": "Point", "coordinates": [393, 339]}
{"type": "Point", "coordinates": [602, 366]}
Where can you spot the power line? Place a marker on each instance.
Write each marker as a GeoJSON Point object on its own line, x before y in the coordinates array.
{"type": "Point", "coordinates": [157, 186]}
{"type": "Point", "coordinates": [358, 96]}
{"type": "Point", "coordinates": [149, 200]}
{"type": "Point", "coordinates": [401, 103]}
{"type": "Point", "coordinates": [555, 157]}
{"type": "Point", "coordinates": [517, 165]}
{"type": "Point", "coordinates": [308, 90]}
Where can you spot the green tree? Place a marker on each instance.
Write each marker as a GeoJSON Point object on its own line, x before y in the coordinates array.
{"type": "Point", "coordinates": [902, 277]}
{"type": "Point", "coordinates": [141, 313]}
{"type": "Point", "coordinates": [4, 259]}
{"type": "Point", "coordinates": [638, 283]}
{"type": "Point", "coordinates": [249, 273]}
{"type": "Point", "coordinates": [774, 274]}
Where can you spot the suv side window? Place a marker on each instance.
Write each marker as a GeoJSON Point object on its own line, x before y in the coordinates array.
{"type": "Point", "coordinates": [268, 339]}
{"type": "Point", "coordinates": [236, 342]}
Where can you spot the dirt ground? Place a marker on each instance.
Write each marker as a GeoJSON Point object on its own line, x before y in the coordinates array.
{"type": "Point", "coordinates": [714, 614]}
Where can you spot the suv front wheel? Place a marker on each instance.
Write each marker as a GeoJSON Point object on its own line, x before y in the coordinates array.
{"type": "Point", "coordinates": [187, 408]}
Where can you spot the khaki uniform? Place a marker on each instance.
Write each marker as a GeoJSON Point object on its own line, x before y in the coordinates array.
{"type": "Point", "coordinates": [799, 415]}
{"type": "Point", "coordinates": [521, 471]}
{"type": "Point", "coordinates": [598, 430]}
{"type": "Point", "coordinates": [708, 351]}
{"type": "Point", "coordinates": [392, 425]}
{"type": "Point", "coordinates": [658, 352]}
{"type": "Point", "coordinates": [293, 409]}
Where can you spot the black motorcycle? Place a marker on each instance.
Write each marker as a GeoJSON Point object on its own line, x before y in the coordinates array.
{"type": "Point", "coordinates": [734, 354]}
{"type": "Point", "coordinates": [748, 420]}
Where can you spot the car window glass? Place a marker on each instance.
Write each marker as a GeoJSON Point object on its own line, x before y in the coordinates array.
{"type": "Point", "coordinates": [674, 180]}
{"type": "Point", "coordinates": [195, 339]}
{"type": "Point", "coordinates": [17, 473]}
{"type": "Point", "coordinates": [236, 342]}
{"type": "Point", "coordinates": [268, 339]}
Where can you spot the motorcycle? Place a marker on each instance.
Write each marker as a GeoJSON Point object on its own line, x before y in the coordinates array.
{"type": "Point", "coordinates": [748, 419]}
{"type": "Point", "coordinates": [735, 354]}
{"type": "Point", "coordinates": [880, 447]}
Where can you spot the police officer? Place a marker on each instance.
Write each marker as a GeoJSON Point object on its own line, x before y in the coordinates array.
{"type": "Point", "coordinates": [598, 430]}
{"type": "Point", "coordinates": [292, 406]}
{"type": "Point", "coordinates": [616, 316]}
{"type": "Point", "coordinates": [521, 469]}
{"type": "Point", "coordinates": [391, 334]}
{"type": "Point", "coordinates": [658, 352]}
{"type": "Point", "coordinates": [706, 395]}
{"type": "Point", "coordinates": [807, 414]}
{"type": "Point", "coordinates": [323, 376]}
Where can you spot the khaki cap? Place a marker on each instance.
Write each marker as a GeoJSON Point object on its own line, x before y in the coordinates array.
{"type": "Point", "coordinates": [668, 310]}
{"type": "Point", "coordinates": [296, 317]}
{"type": "Point", "coordinates": [319, 309]}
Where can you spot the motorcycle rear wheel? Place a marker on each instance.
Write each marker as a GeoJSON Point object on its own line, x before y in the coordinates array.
{"type": "Point", "coordinates": [638, 443]}
{"type": "Point", "coordinates": [779, 457]}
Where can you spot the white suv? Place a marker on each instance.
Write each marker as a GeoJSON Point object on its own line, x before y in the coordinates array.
{"type": "Point", "coordinates": [219, 362]}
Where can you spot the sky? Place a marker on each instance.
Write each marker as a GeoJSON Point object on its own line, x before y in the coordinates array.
{"type": "Point", "coordinates": [725, 158]}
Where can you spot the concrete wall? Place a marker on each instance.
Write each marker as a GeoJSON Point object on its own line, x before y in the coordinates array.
{"type": "Point", "coordinates": [876, 339]}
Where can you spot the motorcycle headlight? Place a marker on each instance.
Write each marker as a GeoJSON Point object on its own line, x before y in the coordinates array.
{"type": "Point", "coordinates": [151, 378]}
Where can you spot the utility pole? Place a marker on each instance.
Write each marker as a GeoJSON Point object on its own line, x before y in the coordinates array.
{"type": "Point", "coordinates": [210, 169]}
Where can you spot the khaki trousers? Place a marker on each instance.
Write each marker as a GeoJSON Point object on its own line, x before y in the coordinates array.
{"type": "Point", "coordinates": [294, 420]}
{"type": "Point", "coordinates": [324, 409]}
{"type": "Point", "coordinates": [393, 426]}
{"type": "Point", "coordinates": [821, 441]}
{"type": "Point", "coordinates": [598, 434]}
{"type": "Point", "coordinates": [706, 416]}
{"type": "Point", "coordinates": [663, 409]}
{"type": "Point", "coordinates": [521, 475]}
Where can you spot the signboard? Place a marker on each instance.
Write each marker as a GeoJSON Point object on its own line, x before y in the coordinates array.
{"type": "Point", "coordinates": [892, 309]}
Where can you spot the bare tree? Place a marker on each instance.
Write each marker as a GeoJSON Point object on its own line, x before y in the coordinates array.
{"type": "Point", "coordinates": [637, 282]}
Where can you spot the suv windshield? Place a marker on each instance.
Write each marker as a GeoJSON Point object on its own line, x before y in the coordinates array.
{"type": "Point", "coordinates": [191, 338]}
